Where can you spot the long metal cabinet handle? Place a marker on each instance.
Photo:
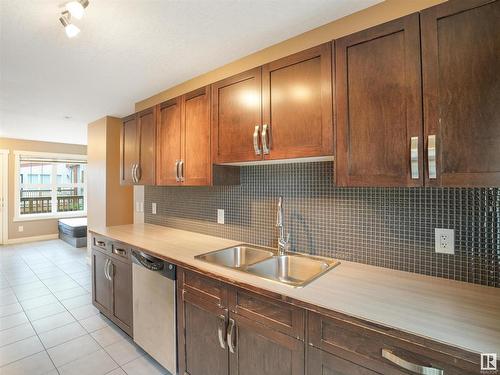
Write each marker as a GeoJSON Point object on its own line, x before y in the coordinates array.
{"type": "Point", "coordinates": [256, 140]}
{"type": "Point", "coordinates": [414, 158]}
{"type": "Point", "coordinates": [230, 336]}
{"type": "Point", "coordinates": [181, 168]}
{"type": "Point", "coordinates": [418, 369]}
{"type": "Point", "coordinates": [106, 269]}
{"type": "Point", "coordinates": [221, 330]}
{"type": "Point", "coordinates": [265, 139]}
{"type": "Point", "coordinates": [133, 172]}
{"type": "Point", "coordinates": [177, 178]}
{"type": "Point", "coordinates": [111, 270]}
{"type": "Point", "coordinates": [138, 173]}
{"type": "Point", "coordinates": [431, 156]}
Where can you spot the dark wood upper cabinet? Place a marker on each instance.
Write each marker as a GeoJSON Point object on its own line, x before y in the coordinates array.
{"type": "Point", "coordinates": [169, 144]}
{"type": "Point", "coordinates": [146, 121]}
{"type": "Point", "coordinates": [379, 106]}
{"type": "Point", "coordinates": [297, 105]}
{"type": "Point", "coordinates": [237, 111]}
{"type": "Point", "coordinates": [138, 148]}
{"type": "Point", "coordinates": [196, 138]}
{"type": "Point", "coordinates": [128, 149]}
{"type": "Point", "coordinates": [461, 81]}
{"type": "Point", "coordinates": [183, 141]}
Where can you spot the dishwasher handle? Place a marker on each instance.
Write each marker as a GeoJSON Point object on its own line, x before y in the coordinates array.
{"type": "Point", "coordinates": [154, 264]}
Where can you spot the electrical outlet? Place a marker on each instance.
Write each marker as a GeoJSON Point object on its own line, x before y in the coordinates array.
{"type": "Point", "coordinates": [153, 208]}
{"type": "Point", "coordinates": [220, 216]}
{"type": "Point", "coordinates": [20, 228]}
{"type": "Point", "coordinates": [444, 241]}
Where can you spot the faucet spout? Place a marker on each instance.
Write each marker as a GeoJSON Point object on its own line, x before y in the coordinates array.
{"type": "Point", "coordinates": [283, 241]}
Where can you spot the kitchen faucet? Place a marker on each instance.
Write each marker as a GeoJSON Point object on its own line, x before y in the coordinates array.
{"type": "Point", "coordinates": [283, 243]}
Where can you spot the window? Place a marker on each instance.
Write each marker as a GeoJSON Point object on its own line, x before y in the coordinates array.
{"type": "Point", "coordinates": [50, 185]}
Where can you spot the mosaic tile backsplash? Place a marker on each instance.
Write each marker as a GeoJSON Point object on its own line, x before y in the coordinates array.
{"type": "Point", "coordinates": [386, 227]}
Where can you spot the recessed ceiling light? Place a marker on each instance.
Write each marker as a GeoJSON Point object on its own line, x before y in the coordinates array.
{"type": "Point", "coordinates": [77, 8]}
{"type": "Point", "coordinates": [71, 30]}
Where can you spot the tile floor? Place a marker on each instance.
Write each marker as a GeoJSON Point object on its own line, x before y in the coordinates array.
{"type": "Point", "coordinates": [47, 322]}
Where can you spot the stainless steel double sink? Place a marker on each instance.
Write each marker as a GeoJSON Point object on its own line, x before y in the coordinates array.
{"type": "Point", "coordinates": [292, 269]}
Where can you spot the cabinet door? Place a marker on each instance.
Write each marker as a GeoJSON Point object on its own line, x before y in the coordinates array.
{"type": "Point", "coordinates": [323, 363]}
{"type": "Point", "coordinates": [461, 76]}
{"type": "Point", "coordinates": [146, 121]}
{"type": "Point", "coordinates": [168, 142]}
{"type": "Point", "coordinates": [196, 165]}
{"type": "Point", "coordinates": [379, 109]}
{"type": "Point", "coordinates": [236, 113]}
{"type": "Point", "coordinates": [102, 294]}
{"type": "Point", "coordinates": [263, 351]}
{"type": "Point", "coordinates": [128, 149]}
{"type": "Point", "coordinates": [201, 351]}
{"type": "Point", "coordinates": [121, 274]}
{"type": "Point", "coordinates": [297, 105]}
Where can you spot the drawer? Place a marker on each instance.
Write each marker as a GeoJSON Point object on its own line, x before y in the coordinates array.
{"type": "Point", "coordinates": [214, 291]}
{"type": "Point", "coordinates": [371, 347]}
{"type": "Point", "coordinates": [277, 315]}
{"type": "Point", "coordinates": [101, 242]}
{"type": "Point", "coordinates": [121, 251]}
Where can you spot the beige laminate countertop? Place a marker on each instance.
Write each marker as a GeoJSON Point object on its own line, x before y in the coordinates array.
{"type": "Point", "coordinates": [456, 313]}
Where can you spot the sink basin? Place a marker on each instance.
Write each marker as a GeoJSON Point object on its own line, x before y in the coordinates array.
{"type": "Point", "coordinates": [295, 270]}
{"type": "Point", "coordinates": [236, 257]}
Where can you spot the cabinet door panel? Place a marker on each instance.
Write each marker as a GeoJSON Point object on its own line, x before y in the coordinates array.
{"type": "Point", "coordinates": [147, 128]}
{"type": "Point", "coordinates": [122, 292]}
{"type": "Point", "coordinates": [168, 142]}
{"type": "Point", "coordinates": [260, 350]}
{"type": "Point", "coordinates": [297, 104]}
{"type": "Point", "coordinates": [202, 353]}
{"type": "Point", "coordinates": [102, 293]}
{"type": "Point", "coordinates": [461, 72]}
{"type": "Point", "coordinates": [323, 363]}
{"type": "Point", "coordinates": [128, 149]}
{"type": "Point", "coordinates": [236, 112]}
{"type": "Point", "coordinates": [379, 108]}
{"type": "Point", "coordinates": [196, 140]}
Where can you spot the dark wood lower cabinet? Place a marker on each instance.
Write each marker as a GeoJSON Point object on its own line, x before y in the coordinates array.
{"type": "Point", "coordinates": [264, 351]}
{"type": "Point", "coordinates": [112, 286]}
{"type": "Point", "coordinates": [102, 293]}
{"type": "Point", "coordinates": [323, 363]}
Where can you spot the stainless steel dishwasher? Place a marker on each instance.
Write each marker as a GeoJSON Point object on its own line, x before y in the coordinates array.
{"type": "Point", "coordinates": [155, 323]}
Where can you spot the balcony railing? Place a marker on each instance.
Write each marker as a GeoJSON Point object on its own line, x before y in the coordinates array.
{"type": "Point", "coordinates": [37, 201]}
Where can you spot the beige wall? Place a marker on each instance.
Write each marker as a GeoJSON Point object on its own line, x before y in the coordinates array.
{"type": "Point", "coordinates": [375, 15]}
{"type": "Point", "coordinates": [35, 227]}
{"type": "Point", "coordinates": [109, 203]}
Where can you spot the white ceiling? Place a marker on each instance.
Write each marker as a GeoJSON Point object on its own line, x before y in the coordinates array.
{"type": "Point", "coordinates": [129, 50]}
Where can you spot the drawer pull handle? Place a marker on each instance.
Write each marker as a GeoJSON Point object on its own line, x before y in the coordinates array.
{"type": "Point", "coordinates": [121, 252]}
{"type": "Point", "coordinates": [101, 243]}
{"type": "Point", "coordinates": [221, 328]}
{"type": "Point", "coordinates": [230, 336]}
{"type": "Point", "coordinates": [418, 369]}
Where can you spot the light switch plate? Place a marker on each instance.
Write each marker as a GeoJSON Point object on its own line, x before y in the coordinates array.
{"type": "Point", "coordinates": [444, 241]}
{"type": "Point", "coordinates": [153, 208]}
{"type": "Point", "coordinates": [220, 216]}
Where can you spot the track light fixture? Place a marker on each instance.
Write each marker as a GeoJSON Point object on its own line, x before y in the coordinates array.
{"type": "Point", "coordinates": [71, 30]}
{"type": "Point", "coordinates": [76, 9]}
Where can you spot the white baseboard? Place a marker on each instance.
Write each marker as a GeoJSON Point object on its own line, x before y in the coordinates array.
{"type": "Point", "coordinates": [32, 239]}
